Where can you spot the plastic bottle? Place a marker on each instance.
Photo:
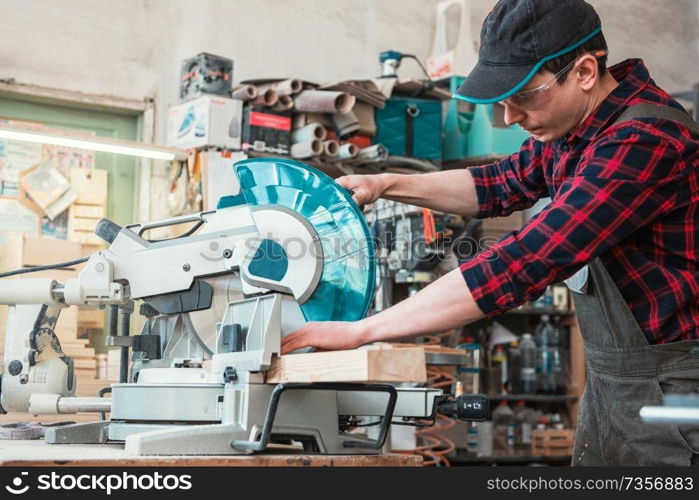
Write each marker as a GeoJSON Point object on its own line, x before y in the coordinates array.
{"type": "Point", "coordinates": [558, 376]}
{"type": "Point", "coordinates": [514, 368]}
{"type": "Point", "coordinates": [528, 354]}
{"type": "Point", "coordinates": [503, 429]}
{"type": "Point", "coordinates": [472, 438]}
{"type": "Point", "coordinates": [469, 373]}
{"type": "Point", "coordinates": [548, 297]}
{"type": "Point", "coordinates": [523, 427]}
{"type": "Point", "coordinates": [499, 360]}
{"type": "Point", "coordinates": [485, 438]}
{"type": "Point", "coordinates": [544, 332]}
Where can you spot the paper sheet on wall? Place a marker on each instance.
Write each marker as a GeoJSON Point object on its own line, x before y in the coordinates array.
{"type": "Point", "coordinates": [16, 157]}
{"type": "Point", "coordinates": [15, 217]}
{"type": "Point", "coordinates": [218, 177]}
{"type": "Point", "coordinates": [49, 189]}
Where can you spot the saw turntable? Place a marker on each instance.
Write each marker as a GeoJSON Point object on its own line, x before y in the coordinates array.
{"type": "Point", "coordinates": [289, 246]}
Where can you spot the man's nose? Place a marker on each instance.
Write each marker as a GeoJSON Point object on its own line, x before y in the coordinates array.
{"type": "Point", "coordinates": [513, 114]}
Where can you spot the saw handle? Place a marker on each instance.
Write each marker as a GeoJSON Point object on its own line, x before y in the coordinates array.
{"type": "Point", "coordinates": [197, 218]}
{"type": "Point", "coordinates": [322, 386]}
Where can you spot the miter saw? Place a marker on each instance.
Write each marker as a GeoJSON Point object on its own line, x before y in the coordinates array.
{"type": "Point", "coordinates": [289, 246]}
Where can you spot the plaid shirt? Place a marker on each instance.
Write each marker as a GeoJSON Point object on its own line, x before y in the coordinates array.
{"type": "Point", "coordinates": [628, 194]}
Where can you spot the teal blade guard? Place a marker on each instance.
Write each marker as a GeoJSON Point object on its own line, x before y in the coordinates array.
{"type": "Point", "coordinates": [346, 286]}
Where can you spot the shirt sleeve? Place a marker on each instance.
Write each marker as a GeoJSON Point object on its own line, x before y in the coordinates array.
{"type": "Point", "coordinates": [510, 184]}
{"type": "Point", "coordinates": [620, 184]}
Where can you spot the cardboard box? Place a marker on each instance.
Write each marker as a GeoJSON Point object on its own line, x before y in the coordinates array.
{"type": "Point", "coordinates": [206, 121]}
{"type": "Point", "coordinates": [266, 131]}
{"type": "Point", "coordinates": [218, 178]}
{"type": "Point", "coordinates": [205, 74]}
{"type": "Point", "coordinates": [23, 251]}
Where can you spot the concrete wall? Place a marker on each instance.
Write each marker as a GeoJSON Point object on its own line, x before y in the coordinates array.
{"type": "Point", "coordinates": [133, 48]}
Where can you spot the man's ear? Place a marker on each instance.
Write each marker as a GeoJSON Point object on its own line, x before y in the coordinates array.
{"type": "Point", "coordinates": [587, 72]}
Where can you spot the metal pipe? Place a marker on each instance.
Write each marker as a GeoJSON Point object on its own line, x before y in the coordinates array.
{"type": "Point", "coordinates": [669, 415]}
{"type": "Point", "coordinates": [28, 291]}
{"type": "Point", "coordinates": [78, 405]}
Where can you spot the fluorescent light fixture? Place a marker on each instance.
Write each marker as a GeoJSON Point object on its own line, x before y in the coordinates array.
{"type": "Point", "coordinates": [103, 144]}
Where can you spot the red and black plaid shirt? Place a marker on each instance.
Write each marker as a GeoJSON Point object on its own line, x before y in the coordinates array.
{"type": "Point", "coordinates": [627, 193]}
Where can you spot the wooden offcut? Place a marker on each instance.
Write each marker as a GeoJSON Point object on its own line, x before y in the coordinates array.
{"type": "Point", "coordinates": [359, 365]}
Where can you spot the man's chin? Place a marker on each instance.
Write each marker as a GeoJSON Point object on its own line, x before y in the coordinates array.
{"type": "Point", "coordinates": [542, 135]}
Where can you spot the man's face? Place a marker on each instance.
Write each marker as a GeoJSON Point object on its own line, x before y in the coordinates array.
{"type": "Point", "coordinates": [552, 112]}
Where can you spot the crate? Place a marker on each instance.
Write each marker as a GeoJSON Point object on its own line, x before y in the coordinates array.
{"type": "Point", "coordinates": [552, 442]}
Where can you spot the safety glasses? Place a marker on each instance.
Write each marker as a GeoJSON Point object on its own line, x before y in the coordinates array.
{"type": "Point", "coordinates": [530, 99]}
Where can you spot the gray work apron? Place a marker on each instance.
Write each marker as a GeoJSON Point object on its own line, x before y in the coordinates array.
{"type": "Point", "coordinates": [624, 373]}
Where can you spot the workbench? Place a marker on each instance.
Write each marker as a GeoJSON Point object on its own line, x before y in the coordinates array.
{"type": "Point", "coordinates": [36, 453]}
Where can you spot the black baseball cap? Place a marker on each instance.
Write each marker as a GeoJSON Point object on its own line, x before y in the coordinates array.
{"type": "Point", "coordinates": [518, 37]}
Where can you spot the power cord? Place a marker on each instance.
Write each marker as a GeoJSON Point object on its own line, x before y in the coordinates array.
{"type": "Point", "coordinates": [35, 269]}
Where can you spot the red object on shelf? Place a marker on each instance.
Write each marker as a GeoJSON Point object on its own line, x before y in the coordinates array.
{"type": "Point", "coordinates": [361, 141]}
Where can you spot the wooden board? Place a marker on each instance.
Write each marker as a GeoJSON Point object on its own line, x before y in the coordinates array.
{"type": "Point", "coordinates": [359, 365]}
{"type": "Point", "coordinates": [40, 454]}
{"type": "Point", "coordinates": [428, 348]}
{"type": "Point", "coordinates": [89, 211]}
{"type": "Point", "coordinates": [90, 184]}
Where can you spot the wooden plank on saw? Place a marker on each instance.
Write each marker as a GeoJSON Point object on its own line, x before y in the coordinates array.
{"type": "Point", "coordinates": [359, 365]}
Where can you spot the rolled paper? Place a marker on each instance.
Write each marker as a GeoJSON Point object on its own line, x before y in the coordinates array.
{"type": "Point", "coordinates": [345, 123]}
{"type": "Point", "coordinates": [267, 98]}
{"type": "Point", "coordinates": [309, 132]}
{"type": "Point", "coordinates": [244, 92]}
{"type": "Point", "coordinates": [283, 87]}
{"type": "Point", "coordinates": [331, 149]}
{"type": "Point", "coordinates": [324, 101]}
{"type": "Point", "coordinates": [347, 151]}
{"type": "Point", "coordinates": [308, 149]}
{"type": "Point", "coordinates": [285, 103]}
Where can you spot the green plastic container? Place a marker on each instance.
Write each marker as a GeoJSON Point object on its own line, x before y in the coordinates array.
{"type": "Point", "coordinates": [474, 130]}
{"type": "Point", "coordinates": [410, 127]}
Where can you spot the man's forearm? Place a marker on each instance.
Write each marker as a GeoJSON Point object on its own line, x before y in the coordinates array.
{"type": "Point", "coordinates": [445, 304]}
{"type": "Point", "coordinates": [451, 191]}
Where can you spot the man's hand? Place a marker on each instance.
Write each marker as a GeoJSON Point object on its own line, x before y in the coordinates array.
{"type": "Point", "coordinates": [365, 188]}
{"type": "Point", "coordinates": [325, 335]}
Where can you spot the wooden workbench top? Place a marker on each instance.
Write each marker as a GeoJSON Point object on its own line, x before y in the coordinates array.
{"type": "Point", "coordinates": [37, 453]}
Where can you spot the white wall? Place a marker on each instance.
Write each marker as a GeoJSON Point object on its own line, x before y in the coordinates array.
{"type": "Point", "coordinates": [133, 48]}
{"type": "Point", "coordinates": [665, 34]}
